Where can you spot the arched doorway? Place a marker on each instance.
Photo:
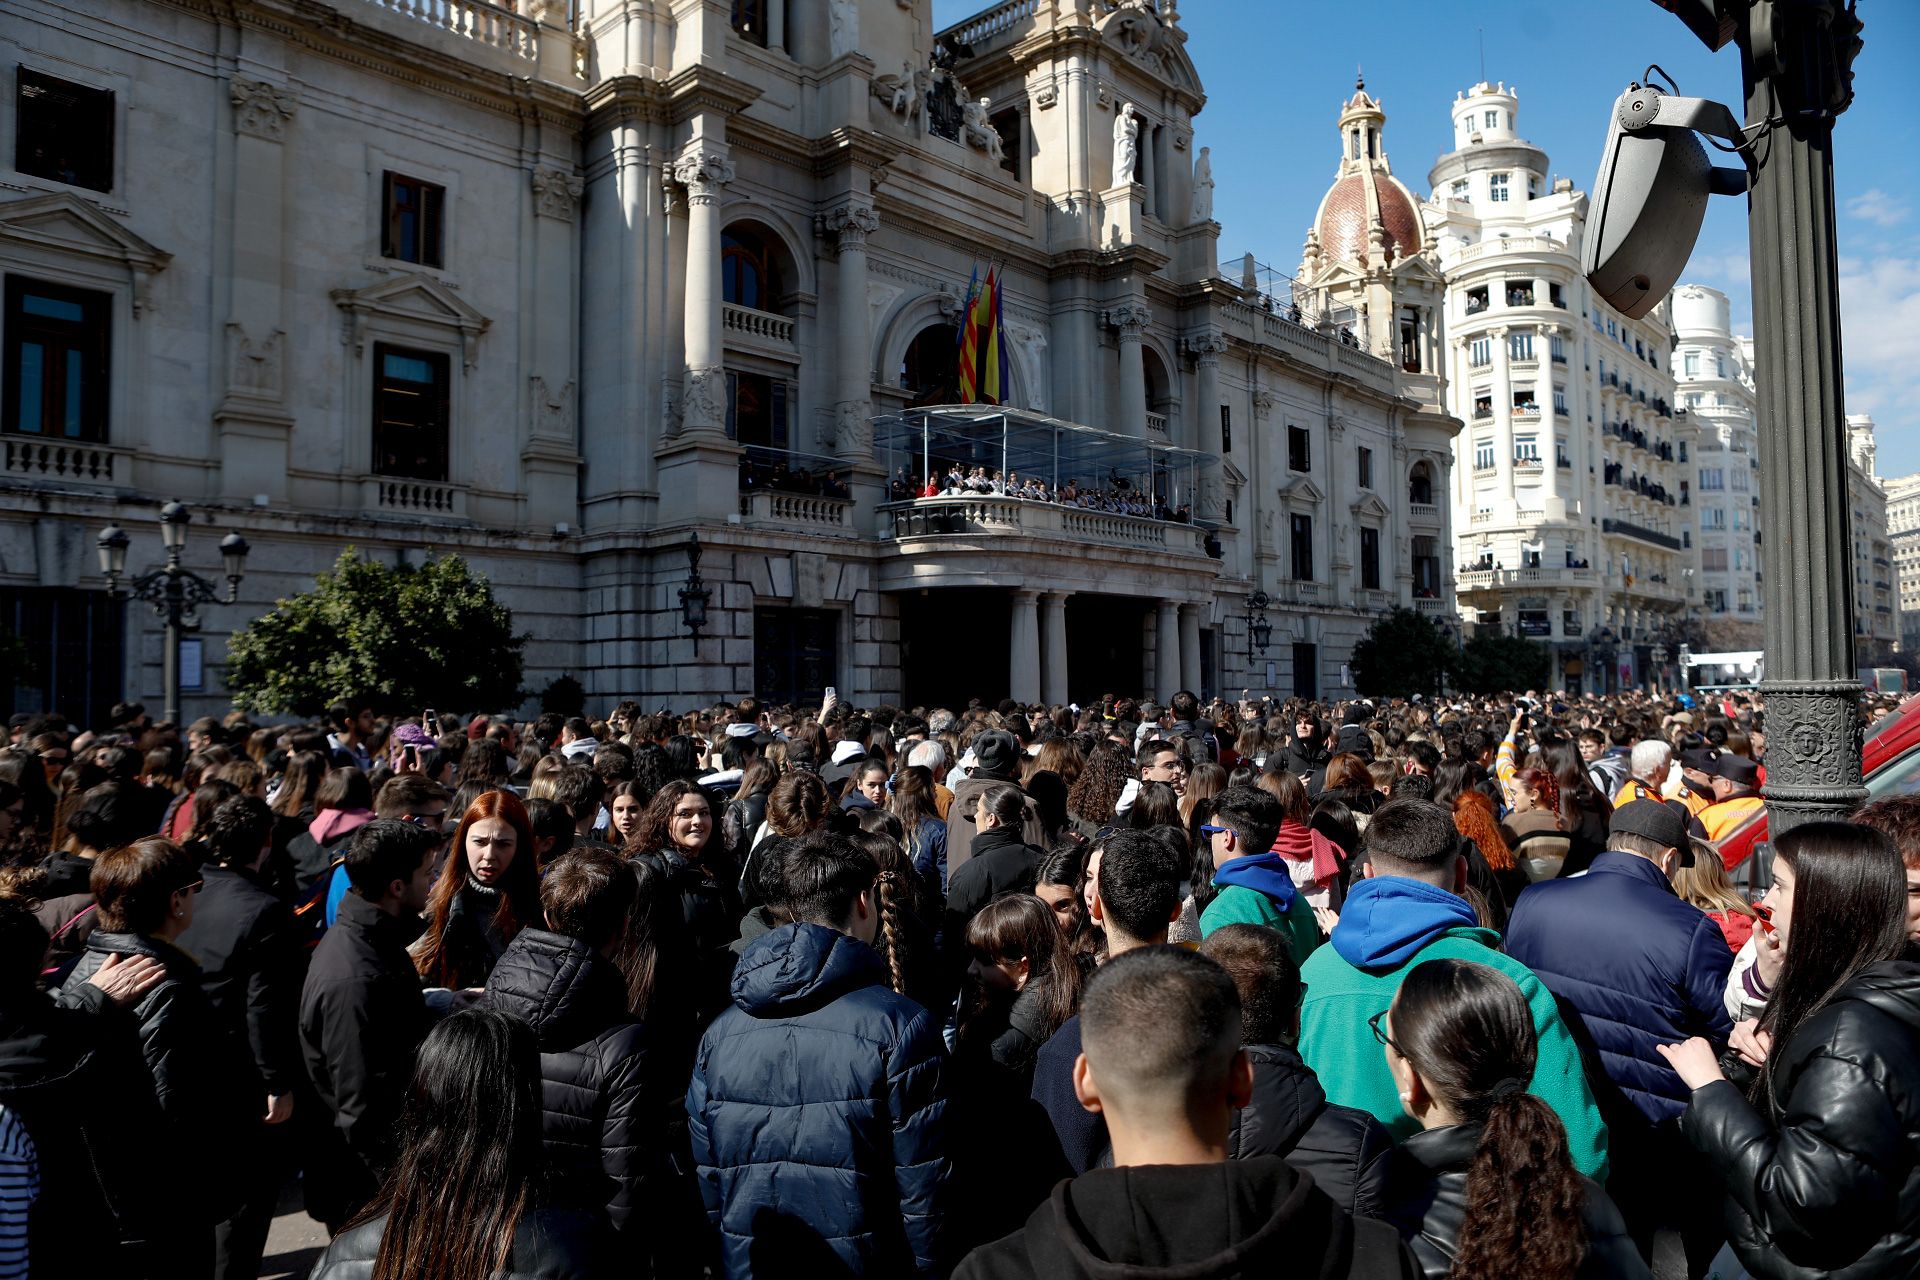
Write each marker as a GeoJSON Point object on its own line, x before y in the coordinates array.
{"type": "Point", "coordinates": [930, 370]}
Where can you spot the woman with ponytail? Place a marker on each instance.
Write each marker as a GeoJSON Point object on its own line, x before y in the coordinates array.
{"type": "Point", "coordinates": [1487, 1190]}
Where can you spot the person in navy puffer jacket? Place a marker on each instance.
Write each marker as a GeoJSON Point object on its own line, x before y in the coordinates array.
{"type": "Point", "coordinates": [817, 1109]}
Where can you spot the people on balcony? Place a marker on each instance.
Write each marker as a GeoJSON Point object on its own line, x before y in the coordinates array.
{"type": "Point", "coordinates": [1118, 498]}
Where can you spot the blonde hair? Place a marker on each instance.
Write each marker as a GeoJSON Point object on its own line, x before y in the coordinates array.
{"type": "Point", "coordinates": [1705, 883]}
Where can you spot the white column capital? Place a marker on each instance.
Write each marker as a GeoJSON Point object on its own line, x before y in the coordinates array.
{"type": "Point", "coordinates": [849, 224]}
{"type": "Point", "coordinates": [703, 171]}
{"type": "Point", "coordinates": [1129, 318]}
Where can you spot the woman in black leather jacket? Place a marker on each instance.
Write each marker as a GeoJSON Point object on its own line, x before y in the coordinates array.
{"type": "Point", "coordinates": [1460, 1042]}
{"type": "Point", "coordinates": [1821, 1172]}
{"type": "Point", "coordinates": [463, 1198]}
{"type": "Point", "coordinates": [680, 838]}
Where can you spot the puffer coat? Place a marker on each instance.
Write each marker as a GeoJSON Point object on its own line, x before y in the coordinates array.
{"type": "Point", "coordinates": [604, 1134]}
{"type": "Point", "coordinates": [1829, 1184]}
{"type": "Point", "coordinates": [817, 1113]}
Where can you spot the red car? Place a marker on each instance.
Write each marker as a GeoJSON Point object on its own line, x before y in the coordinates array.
{"type": "Point", "coordinates": [1890, 760]}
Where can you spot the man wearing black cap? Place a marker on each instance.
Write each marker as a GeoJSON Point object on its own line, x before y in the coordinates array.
{"type": "Point", "coordinates": [1736, 795]}
{"type": "Point", "coordinates": [1697, 768]}
{"type": "Point", "coordinates": [1620, 949]}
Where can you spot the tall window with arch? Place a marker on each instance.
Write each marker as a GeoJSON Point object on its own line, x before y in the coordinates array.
{"type": "Point", "coordinates": [749, 274]}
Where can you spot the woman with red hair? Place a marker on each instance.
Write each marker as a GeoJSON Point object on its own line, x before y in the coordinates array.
{"type": "Point", "coordinates": [487, 892]}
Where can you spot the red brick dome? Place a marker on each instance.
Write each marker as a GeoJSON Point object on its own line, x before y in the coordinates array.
{"type": "Point", "coordinates": [1347, 211]}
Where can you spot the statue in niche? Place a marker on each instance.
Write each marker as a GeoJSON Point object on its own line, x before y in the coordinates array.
{"type": "Point", "coordinates": [843, 34]}
{"type": "Point", "coordinates": [1126, 144]}
{"type": "Point", "coordinates": [1203, 186]}
{"type": "Point", "coordinates": [980, 131]}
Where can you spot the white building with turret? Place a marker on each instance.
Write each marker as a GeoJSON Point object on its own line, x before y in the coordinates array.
{"type": "Point", "coordinates": [1715, 384]}
{"type": "Point", "coordinates": [1570, 489]}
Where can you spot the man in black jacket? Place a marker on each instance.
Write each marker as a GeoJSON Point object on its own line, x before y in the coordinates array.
{"type": "Point", "coordinates": [1288, 1115]}
{"type": "Point", "coordinates": [243, 937]}
{"type": "Point", "coordinates": [1161, 1060]}
{"type": "Point", "coordinates": [362, 1013]}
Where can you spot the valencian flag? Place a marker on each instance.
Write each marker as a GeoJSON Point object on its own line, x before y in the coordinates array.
{"type": "Point", "coordinates": [992, 346]}
{"type": "Point", "coordinates": [969, 338]}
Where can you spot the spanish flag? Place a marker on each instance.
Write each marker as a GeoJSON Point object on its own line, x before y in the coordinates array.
{"type": "Point", "coordinates": [970, 339]}
{"type": "Point", "coordinates": [991, 346]}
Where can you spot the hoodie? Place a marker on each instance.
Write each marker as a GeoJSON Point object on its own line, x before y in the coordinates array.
{"type": "Point", "coordinates": [817, 1114]}
{"type": "Point", "coordinates": [1258, 889]}
{"type": "Point", "coordinates": [1238, 1218]}
{"type": "Point", "coordinates": [1389, 925]}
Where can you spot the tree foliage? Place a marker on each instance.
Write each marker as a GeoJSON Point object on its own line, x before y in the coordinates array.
{"type": "Point", "coordinates": [564, 697]}
{"type": "Point", "coordinates": [1503, 663]}
{"type": "Point", "coordinates": [1402, 654]}
{"type": "Point", "coordinates": [404, 637]}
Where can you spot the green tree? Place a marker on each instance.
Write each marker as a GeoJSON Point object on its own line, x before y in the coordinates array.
{"type": "Point", "coordinates": [1402, 654]}
{"type": "Point", "coordinates": [1503, 663]}
{"type": "Point", "coordinates": [406, 637]}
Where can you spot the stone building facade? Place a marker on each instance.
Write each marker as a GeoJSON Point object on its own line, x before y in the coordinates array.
{"type": "Point", "coordinates": [561, 288]}
{"type": "Point", "coordinates": [1570, 490]}
{"type": "Point", "coordinates": [1714, 376]}
{"type": "Point", "coordinates": [1876, 604]}
{"type": "Point", "coordinates": [1903, 531]}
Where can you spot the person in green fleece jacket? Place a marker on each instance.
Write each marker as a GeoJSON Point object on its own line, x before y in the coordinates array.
{"type": "Point", "coordinates": [1255, 886]}
{"type": "Point", "coordinates": [1408, 910]}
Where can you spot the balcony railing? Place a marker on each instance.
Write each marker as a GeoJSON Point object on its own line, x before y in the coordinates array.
{"type": "Point", "coordinates": [978, 515]}
{"type": "Point", "coordinates": [65, 460]}
{"type": "Point", "coordinates": [475, 20]}
{"type": "Point", "coordinates": [414, 497]}
{"type": "Point", "coordinates": [1423, 511]}
{"type": "Point", "coordinates": [1157, 422]}
{"type": "Point", "coordinates": [763, 325]}
{"type": "Point", "coordinates": [1628, 529]}
{"type": "Point", "coordinates": [1429, 604]}
{"type": "Point", "coordinates": [765, 508]}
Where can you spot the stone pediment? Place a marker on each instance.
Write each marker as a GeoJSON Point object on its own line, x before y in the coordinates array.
{"type": "Point", "coordinates": [63, 223]}
{"type": "Point", "coordinates": [1303, 489]}
{"type": "Point", "coordinates": [416, 298]}
{"type": "Point", "coordinates": [1371, 508]}
{"type": "Point", "coordinates": [1152, 40]}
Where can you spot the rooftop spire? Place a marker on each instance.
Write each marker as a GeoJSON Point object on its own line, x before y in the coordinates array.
{"type": "Point", "coordinates": [1359, 77]}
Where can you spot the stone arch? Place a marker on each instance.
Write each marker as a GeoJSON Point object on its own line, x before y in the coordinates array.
{"type": "Point", "coordinates": [787, 250]}
{"type": "Point", "coordinates": [909, 321]}
{"type": "Point", "coordinates": [1422, 477]}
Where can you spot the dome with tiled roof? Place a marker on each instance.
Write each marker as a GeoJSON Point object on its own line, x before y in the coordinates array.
{"type": "Point", "coordinates": [1365, 196]}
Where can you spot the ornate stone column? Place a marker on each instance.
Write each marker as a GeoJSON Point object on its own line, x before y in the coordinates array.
{"type": "Point", "coordinates": [849, 225]}
{"type": "Point", "coordinates": [1190, 647]}
{"type": "Point", "coordinates": [1130, 320]}
{"type": "Point", "coordinates": [1053, 649]}
{"type": "Point", "coordinates": [1166, 651]}
{"type": "Point", "coordinates": [1023, 667]}
{"type": "Point", "coordinates": [703, 170]}
{"type": "Point", "coordinates": [1206, 348]}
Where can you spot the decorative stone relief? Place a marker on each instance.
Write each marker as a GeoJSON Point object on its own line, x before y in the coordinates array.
{"type": "Point", "coordinates": [1046, 95]}
{"type": "Point", "coordinates": [976, 127]}
{"type": "Point", "coordinates": [1206, 347]}
{"type": "Point", "coordinates": [253, 368]}
{"type": "Point", "coordinates": [262, 110]}
{"type": "Point", "coordinates": [703, 173]}
{"type": "Point", "coordinates": [852, 429]}
{"type": "Point", "coordinates": [1129, 318]}
{"type": "Point", "coordinates": [906, 93]}
{"type": "Point", "coordinates": [843, 27]}
{"type": "Point", "coordinates": [556, 193]}
{"type": "Point", "coordinates": [849, 225]}
{"type": "Point", "coordinates": [1263, 402]}
{"type": "Point", "coordinates": [552, 412]}
{"type": "Point", "coordinates": [703, 400]}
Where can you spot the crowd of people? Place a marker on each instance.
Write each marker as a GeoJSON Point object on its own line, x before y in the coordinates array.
{"type": "Point", "coordinates": [1450, 989]}
{"type": "Point", "coordinates": [1118, 497]}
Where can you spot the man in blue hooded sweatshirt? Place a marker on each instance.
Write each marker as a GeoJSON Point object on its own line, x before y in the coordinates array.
{"type": "Point", "coordinates": [1255, 886]}
{"type": "Point", "coordinates": [1408, 909]}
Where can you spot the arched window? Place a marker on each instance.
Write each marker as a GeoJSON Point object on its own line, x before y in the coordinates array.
{"type": "Point", "coordinates": [749, 269]}
{"type": "Point", "coordinates": [930, 371]}
{"type": "Point", "coordinates": [1159, 386]}
{"type": "Point", "coordinates": [1420, 484]}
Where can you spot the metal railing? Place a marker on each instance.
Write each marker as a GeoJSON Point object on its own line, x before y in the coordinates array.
{"type": "Point", "coordinates": [475, 20]}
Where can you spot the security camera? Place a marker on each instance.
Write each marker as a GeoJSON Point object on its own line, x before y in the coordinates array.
{"type": "Point", "coordinates": [1651, 195]}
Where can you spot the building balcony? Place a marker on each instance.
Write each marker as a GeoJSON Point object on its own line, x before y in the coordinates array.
{"type": "Point", "coordinates": [1157, 423]}
{"type": "Point", "coordinates": [1299, 591]}
{"type": "Point", "coordinates": [796, 512]}
{"type": "Point", "coordinates": [1424, 512]}
{"type": "Point", "coordinates": [398, 496]}
{"type": "Point", "coordinates": [66, 461]}
{"type": "Point", "coordinates": [746, 329]}
{"type": "Point", "coordinates": [1525, 578]}
{"type": "Point", "coordinates": [1430, 604]}
{"type": "Point", "coordinates": [988, 516]}
{"type": "Point", "coordinates": [1628, 529]}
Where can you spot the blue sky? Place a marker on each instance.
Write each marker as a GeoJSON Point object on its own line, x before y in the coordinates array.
{"type": "Point", "coordinates": [1276, 72]}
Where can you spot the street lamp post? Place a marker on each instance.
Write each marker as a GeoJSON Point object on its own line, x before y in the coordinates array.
{"type": "Point", "coordinates": [1259, 629]}
{"type": "Point", "coordinates": [175, 592]}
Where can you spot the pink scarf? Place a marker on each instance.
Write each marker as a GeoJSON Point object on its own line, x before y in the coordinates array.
{"type": "Point", "coordinates": [1296, 843]}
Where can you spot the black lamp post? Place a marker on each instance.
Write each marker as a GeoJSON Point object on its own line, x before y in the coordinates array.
{"type": "Point", "coordinates": [175, 592]}
{"type": "Point", "coordinates": [695, 595]}
{"type": "Point", "coordinates": [1259, 630]}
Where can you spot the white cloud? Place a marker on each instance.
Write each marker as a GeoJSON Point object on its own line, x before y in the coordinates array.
{"type": "Point", "coordinates": [1880, 316]}
{"type": "Point", "coordinates": [1879, 208]}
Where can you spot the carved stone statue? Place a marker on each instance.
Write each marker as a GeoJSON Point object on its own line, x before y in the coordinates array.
{"type": "Point", "coordinates": [979, 129]}
{"type": "Point", "coordinates": [843, 17]}
{"type": "Point", "coordinates": [1126, 144]}
{"type": "Point", "coordinates": [1203, 186]}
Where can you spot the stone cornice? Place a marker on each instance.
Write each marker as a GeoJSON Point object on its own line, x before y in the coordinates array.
{"type": "Point", "coordinates": [704, 88]}
{"type": "Point", "coordinates": [621, 100]}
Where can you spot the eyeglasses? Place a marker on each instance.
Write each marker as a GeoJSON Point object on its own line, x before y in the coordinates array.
{"type": "Point", "coordinates": [195, 887]}
{"type": "Point", "coordinates": [1208, 829]}
{"type": "Point", "coordinates": [1378, 1023]}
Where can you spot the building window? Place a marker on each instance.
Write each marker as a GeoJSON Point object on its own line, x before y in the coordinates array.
{"type": "Point", "coordinates": [748, 274]}
{"type": "Point", "coordinates": [62, 131]}
{"type": "Point", "coordinates": [1720, 366]}
{"type": "Point", "coordinates": [1299, 449]}
{"type": "Point", "coordinates": [1483, 455]}
{"type": "Point", "coordinates": [1363, 467]}
{"type": "Point", "coordinates": [1557, 348]}
{"type": "Point", "coordinates": [750, 19]}
{"type": "Point", "coordinates": [1713, 519]}
{"type": "Point", "coordinates": [1476, 300]}
{"type": "Point", "coordinates": [1561, 458]}
{"type": "Point", "coordinates": [1302, 548]}
{"type": "Point", "coordinates": [1559, 399]}
{"type": "Point", "coordinates": [1497, 188]}
{"type": "Point", "coordinates": [1426, 567]}
{"type": "Point", "coordinates": [1492, 119]}
{"type": "Point", "coordinates": [1226, 428]}
{"type": "Point", "coordinates": [757, 410]}
{"type": "Point", "coordinates": [1519, 346]}
{"type": "Point", "coordinates": [1713, 559]}
{"type": "Point", "coordinates": [1306, 670]}
{"type": "Point", "coordinates": [57, 346]}
{"type": "Point", "coordinates": [1712, 479]}
{"type": "Point", "coordinates": [1691, 364]}
{"type": "Point", "coordinates": [409, 413]}
{"type": "Point", "coordinates": [1742, 482]}
{"type": "Point", "coordinates": [1459, 190]}
{"type": "Point", "coordinates": [1683, 451]}
{"type": "Point", "coordinates": [1480, 352]}
{"type": "Point", "coordinates": [1526, 450]}
{"type": "Point", "coordinates": [1369, 558]}
{"type": "Point", "coordinates": [413, 229]}
{"type": "Point", "coordinates": [1007, 124]}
